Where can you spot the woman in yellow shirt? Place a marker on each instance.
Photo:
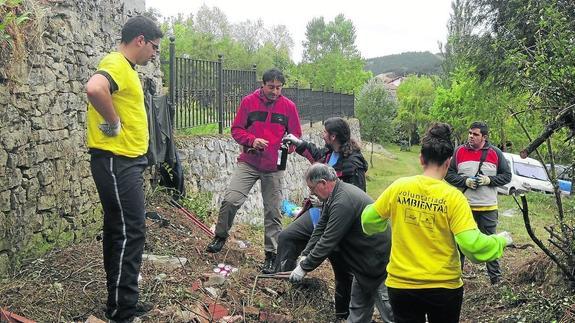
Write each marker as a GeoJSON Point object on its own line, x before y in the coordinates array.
{"type": "Point", "coordinates": [429, 219]}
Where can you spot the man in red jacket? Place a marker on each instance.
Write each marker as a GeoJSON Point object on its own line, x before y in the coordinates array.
{"type": "Point", "coordinates": [262, 120]}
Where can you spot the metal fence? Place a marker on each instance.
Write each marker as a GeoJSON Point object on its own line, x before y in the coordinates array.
{"type": "Point", "coordinates": [203, 92]}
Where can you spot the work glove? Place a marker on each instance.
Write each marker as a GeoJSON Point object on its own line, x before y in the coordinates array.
{"type": "Point", "coordinates": [507, 236]}
{"type": "Point", "coordinates": [483, 180]}
{"type": "Point", "coordinates": [291, 139]}
{"type": "Point", "coordinates": [297, 275]}
{"type": "Point", "coordinates": [471, 182]}
{"type": "Point", "coordinates": [315, 201]}
{"type": "Point", "coordinates": [111, 129]}
{"type": "Point", "coordinates": [300, 259]}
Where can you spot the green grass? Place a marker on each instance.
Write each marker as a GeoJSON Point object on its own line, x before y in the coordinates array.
{"type": "Point", "coordinates": [385, 170]}
{"type": "Point", "coordinates": [542, 207]}
{"type": "Point", "coordinates": [207, 129]}
{"type": "Point", "coordinates": [542, 212]}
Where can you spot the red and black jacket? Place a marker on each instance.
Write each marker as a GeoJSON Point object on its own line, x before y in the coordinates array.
{"type": "Point", "coordinates": [258, 117]}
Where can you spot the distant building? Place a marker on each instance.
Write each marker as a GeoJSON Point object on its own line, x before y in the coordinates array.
{"type": "Point", "coordinates": [391, 83]}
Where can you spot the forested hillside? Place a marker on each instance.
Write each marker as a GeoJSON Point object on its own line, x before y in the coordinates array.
{"type": "Point", "coordinates": [405, 64]}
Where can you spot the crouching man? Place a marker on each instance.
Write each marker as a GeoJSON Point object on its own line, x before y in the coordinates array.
{"type": "Point", "coordinates": [339, 228]}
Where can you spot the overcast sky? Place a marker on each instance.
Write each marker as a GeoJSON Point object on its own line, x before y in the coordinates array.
{"type": "Point", "coordinates": [383, 27]}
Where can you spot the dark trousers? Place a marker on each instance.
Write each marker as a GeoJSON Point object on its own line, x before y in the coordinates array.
{"type": "Point", "coordinates": [487, 224]}
{"type": "Point", "coordinates": [120, 182]}
{"type": "Point", "coordinates": [293, 240]}
{"type": "Point", "coordinates": [441, 305]}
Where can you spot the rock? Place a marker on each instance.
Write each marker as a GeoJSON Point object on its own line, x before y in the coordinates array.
{"type": "Point", "coordinates": [168, 262]}
{"type": "Point", "coordinates": [215, 280]}
{"type": "Point", "coordinates": [213, 292]}
{"type": "Point", "coordinates": [93, 319]}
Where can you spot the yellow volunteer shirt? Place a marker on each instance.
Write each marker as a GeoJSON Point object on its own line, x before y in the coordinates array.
{"type": "Point", "coordinates": [425, 215]}
{"type": "Point", "coordinates": [128, 101]}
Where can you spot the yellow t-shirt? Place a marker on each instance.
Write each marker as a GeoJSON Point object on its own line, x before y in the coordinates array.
{"type": "Point", "coordinates": [425, 214]}
{"type": "Point", "coordinates": [128, 101]}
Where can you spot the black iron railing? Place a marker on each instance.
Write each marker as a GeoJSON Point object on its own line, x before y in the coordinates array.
{"type": "Point", "coordinates": [203, 92]}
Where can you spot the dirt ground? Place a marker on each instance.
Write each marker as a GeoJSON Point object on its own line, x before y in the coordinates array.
{"type": "Point", "coordinates": [68, 285]}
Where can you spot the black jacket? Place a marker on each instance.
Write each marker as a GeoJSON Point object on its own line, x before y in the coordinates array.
{"type": "Point", "coordinates": [340, 226]}
{"type": "Point", "coordinates": [350, 170]}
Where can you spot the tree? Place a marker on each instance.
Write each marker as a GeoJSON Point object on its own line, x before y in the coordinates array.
{"type": "Point", "coordinates": [525, 50]}
{"type": "Point", "coordinates": [331, 59]}
{"type": "Point", "coordinates": [337, 36]}
{"type": "Point", "coordinates": [210, 35]}
{"type": "Point", "coordinates": [249, 33]}
{"type": "Point", "coordinates": [415, 96]}
{"type": "Point", "coordinates": [280, 37]}
{"type": "Point", "coordinates": [375, 110]}
{"type": "Point", "coordinates": [212, 22]}
{"type": "Point", "coordinates": [336, 72]}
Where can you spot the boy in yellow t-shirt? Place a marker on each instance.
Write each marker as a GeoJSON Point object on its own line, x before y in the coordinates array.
{"type": "Point", "coordinates": [118, 141]}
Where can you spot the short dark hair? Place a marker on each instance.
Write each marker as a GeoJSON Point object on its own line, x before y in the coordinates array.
{"type": "Point", "coordinates": [482, 126]}
{"type": "Point", "coordinates": [273, 75]}
{"type": "Point", "coordinates": [140, 25]}
{"type": "Point", "coordinates": [436, 145]}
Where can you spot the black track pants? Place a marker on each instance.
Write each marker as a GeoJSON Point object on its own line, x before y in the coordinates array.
{"type": "Point", "coordinates": [120, 182]}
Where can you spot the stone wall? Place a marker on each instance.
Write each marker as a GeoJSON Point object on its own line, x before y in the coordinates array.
{"type": "Point", "coordinates": [210, 161]}
{"type": "Point", "coordinates": [47, 196]}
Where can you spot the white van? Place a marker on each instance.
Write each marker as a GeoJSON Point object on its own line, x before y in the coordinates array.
{"type": "Point", "coordinates": [526, 175]}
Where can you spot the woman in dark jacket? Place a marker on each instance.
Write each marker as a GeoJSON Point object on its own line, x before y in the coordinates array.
{"type": "Point", "coordinates": [344, 155]}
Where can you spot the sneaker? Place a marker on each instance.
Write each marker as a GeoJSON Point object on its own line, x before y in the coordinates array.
{"type": "Point", "coordinates": [216, 245]}
{"type": "Point", "coordinates": [142, 308]}
{"type": "Point", "coordinates": [269, 263]}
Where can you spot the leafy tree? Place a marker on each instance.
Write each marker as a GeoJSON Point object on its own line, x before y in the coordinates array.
{"type": "Point", "coordinates": [415, 96]}
{"type": "Point", "coordinates": [280, 37]}
{"type": "Point", "coordinates": [336, 72]}
{"type": "Point", "coordinates": [331, 59]}
{"type": "Point", "coordinates": [212, 22]}
{"type": "Point", "coordinates": [522, 51]}
{"type": "Point", "coordinates": [249, 33]}
{"type": "Point", "coordinates": [210, 34]}
{"type": "Point", "coordinates": [337, 36]}
{"type": "Point", "coordinates": [375, 110]}
{"type": "Point", "coordinates": [467, 99]}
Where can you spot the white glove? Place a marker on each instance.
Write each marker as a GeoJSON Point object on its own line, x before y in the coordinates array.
{"type": "Point", "coordinates": [297, 275]}
{"type": "Point", "coordinates": [315, 201]}
{"type": "Point", "coordinates": [291, 139]}
{"type": "Point", "coordinates": [483, 180]}
{"type": "Point", "coordinates": [507, 236]}
{"type": "Point", "coordinates": [471, 182]}
{"type": "Point", "coordinates": [111, 130]}
{"type": "Point", "coordinates": [300, 259]}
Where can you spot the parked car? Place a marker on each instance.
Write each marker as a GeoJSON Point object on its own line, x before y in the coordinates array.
{"type": "Point", "coordinates": [563, 178]}
{"type": "Point", "coordinates": [526, 175]}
